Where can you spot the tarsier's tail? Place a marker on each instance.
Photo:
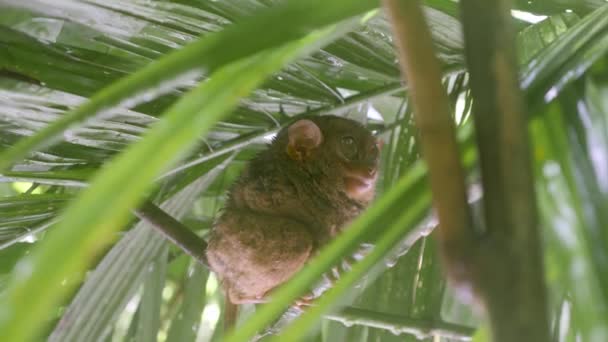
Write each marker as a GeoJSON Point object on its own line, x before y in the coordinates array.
{"type": "Point", "coordinates": [231, 312]}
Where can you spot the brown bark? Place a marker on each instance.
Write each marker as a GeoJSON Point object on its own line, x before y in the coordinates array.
{"type": "Point", "coordinates": [503, 264]}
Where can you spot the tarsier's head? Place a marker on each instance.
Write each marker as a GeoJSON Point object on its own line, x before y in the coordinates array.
{"type": "Point", "coordinates": [347, 151]}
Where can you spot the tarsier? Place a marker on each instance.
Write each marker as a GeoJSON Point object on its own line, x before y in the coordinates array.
{"type": "Point", "coordinates": [318, 174]}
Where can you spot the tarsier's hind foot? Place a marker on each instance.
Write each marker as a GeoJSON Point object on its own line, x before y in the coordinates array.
{"type": "Point", "coordinates": [254, 253]}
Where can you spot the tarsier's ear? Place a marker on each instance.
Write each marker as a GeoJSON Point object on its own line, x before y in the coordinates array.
{"type": "Point", "coordinates": [304, 136]}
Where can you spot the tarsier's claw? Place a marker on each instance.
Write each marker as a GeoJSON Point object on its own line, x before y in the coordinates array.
{"type": "Point", "coordinates": [303, 303]}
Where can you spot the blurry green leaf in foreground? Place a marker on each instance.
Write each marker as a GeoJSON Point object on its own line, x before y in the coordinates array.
{"type": "Point", "coordinates": [204, 55]}
{"type": "Point", "coordinates": [122, 269]}
{"type": "Point", "coordinates": [36, 285]}
{"type": "Point", "coordinates": [54, 56]}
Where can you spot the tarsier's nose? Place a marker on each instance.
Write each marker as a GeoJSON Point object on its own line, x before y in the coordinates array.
{"type": "Point", "coordinates": [371, 171]}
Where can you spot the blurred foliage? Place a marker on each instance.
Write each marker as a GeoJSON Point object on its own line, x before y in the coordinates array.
{"type": "Point", "coordinates": [55, 56]}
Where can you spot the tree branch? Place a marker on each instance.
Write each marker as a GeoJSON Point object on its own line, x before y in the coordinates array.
{"type": "Point", "coordinates": [432, 117]}
{"type": "Point", "coordinates": [174, 231]}
{"type": "Point", "coordinates": [509, 270]}
{"type": "Point", "coordinates": [504, 265]}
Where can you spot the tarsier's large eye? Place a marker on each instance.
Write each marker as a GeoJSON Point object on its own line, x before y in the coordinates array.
{"type": "Point", "coordinates": [349, 147]}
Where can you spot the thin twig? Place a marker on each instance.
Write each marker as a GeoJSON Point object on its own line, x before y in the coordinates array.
{"type": "Point", "coordinates": [174, 231]}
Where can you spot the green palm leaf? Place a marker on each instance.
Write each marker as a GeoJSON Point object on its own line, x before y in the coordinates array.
{"type": "Point", "coordinates": [70, 123]}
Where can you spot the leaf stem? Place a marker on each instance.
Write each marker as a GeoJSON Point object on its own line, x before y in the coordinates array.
{"type": "Point", "coordinates": [398, 324]}
{"type": "Point", "coordinates": [174, 231]}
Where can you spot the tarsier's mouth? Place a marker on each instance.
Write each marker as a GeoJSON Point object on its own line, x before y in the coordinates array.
{"type": "Point", "coordinates": [360, 181]}
{"type": "Point", "coordinates": [364, 172]}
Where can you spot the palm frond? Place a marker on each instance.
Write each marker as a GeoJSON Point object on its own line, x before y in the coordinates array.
{"type": "Point", "coordinates": [57, 56]}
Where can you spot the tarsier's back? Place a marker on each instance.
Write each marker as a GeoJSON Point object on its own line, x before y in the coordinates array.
{"type": "Point", "coordinates": [315, 178]}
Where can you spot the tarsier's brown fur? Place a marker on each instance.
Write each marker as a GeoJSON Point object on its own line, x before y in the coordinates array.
{"type": "Point", "coordinates": [313, 180]}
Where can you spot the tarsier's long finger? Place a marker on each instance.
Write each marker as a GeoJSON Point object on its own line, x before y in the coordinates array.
{"type": "Point", "coordinates": [334, 275]}
{"type": "Point", "coordinates": [347, 263]}
{"type": "Point", "coordinates": [303, 302]}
